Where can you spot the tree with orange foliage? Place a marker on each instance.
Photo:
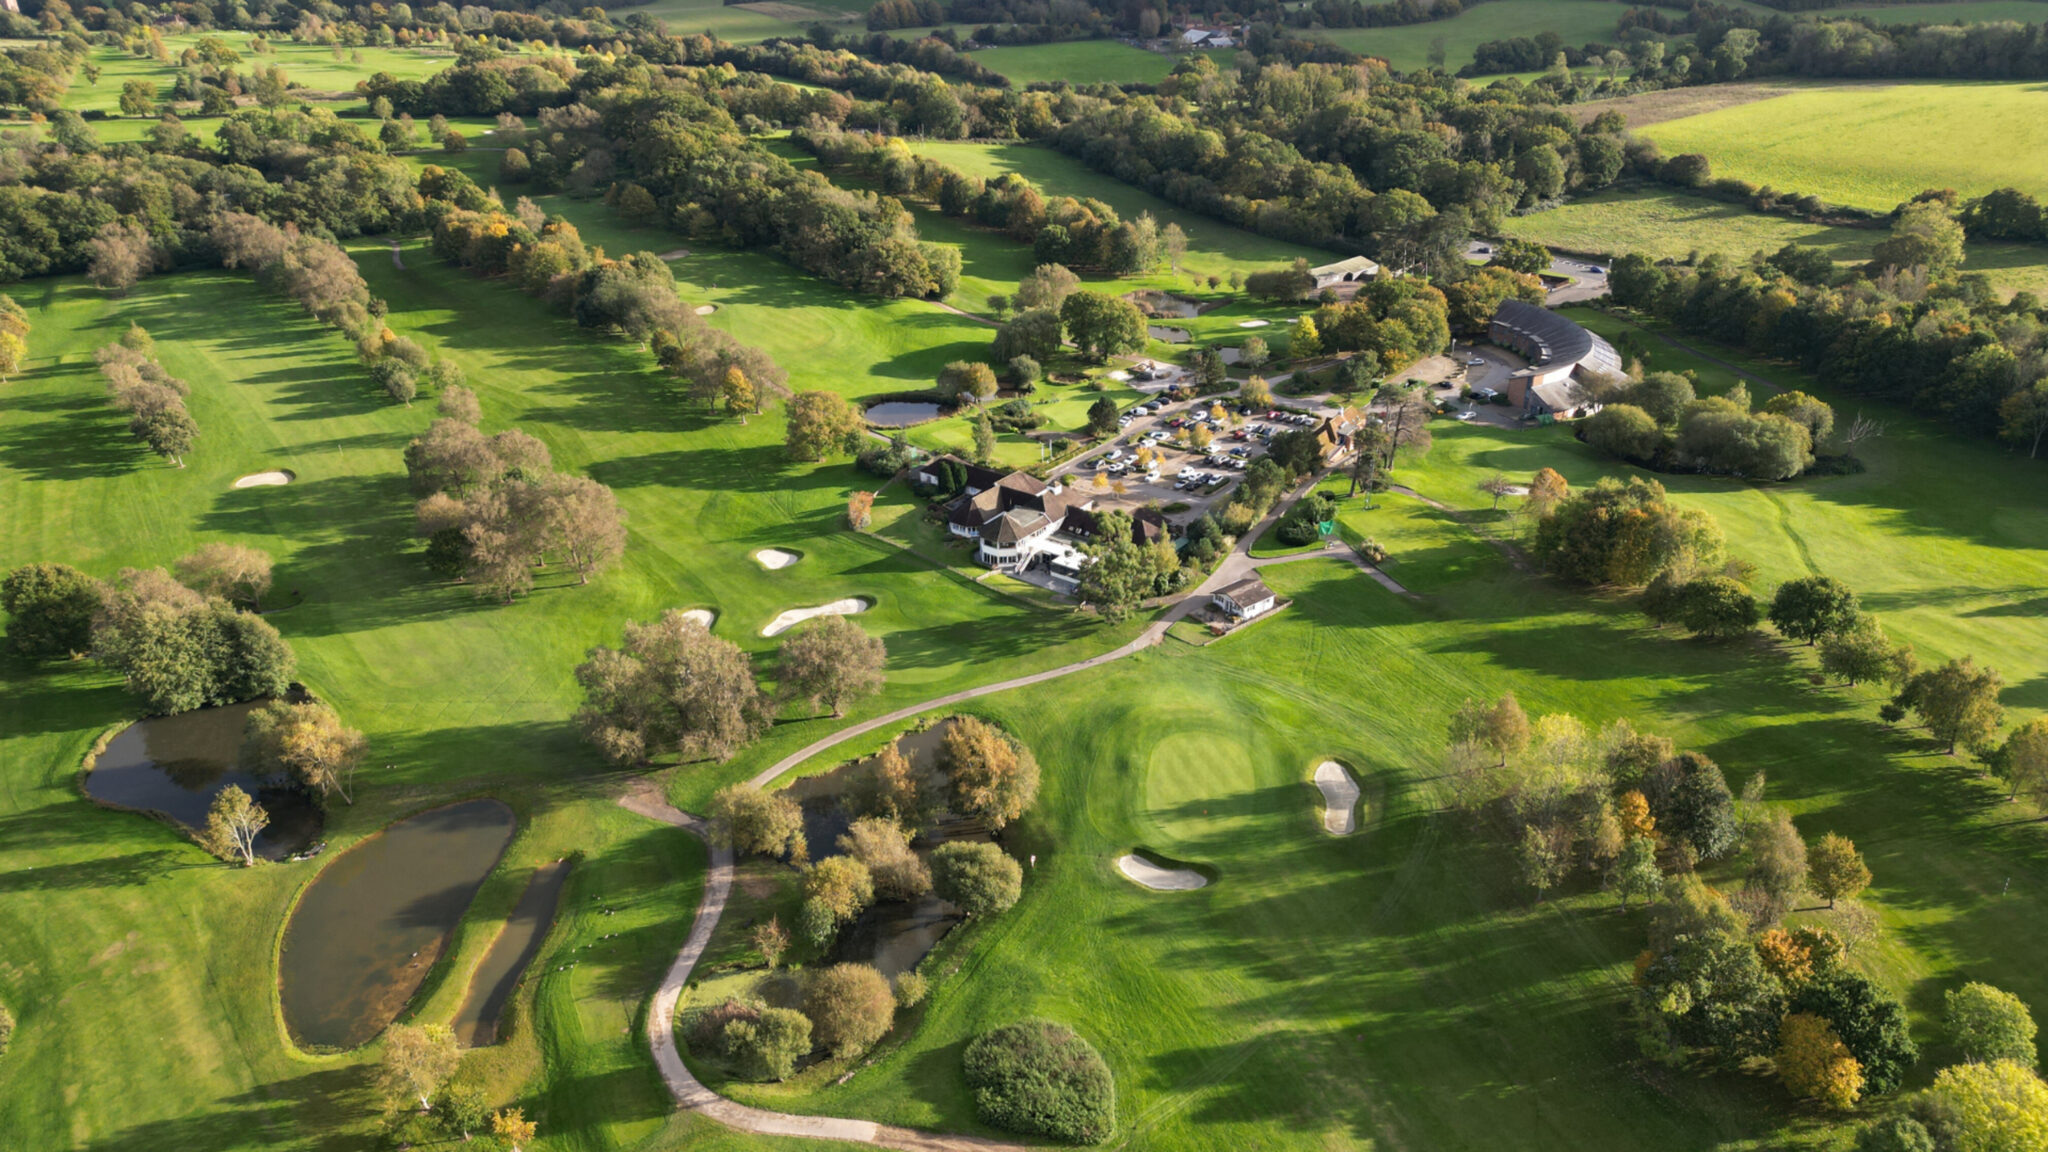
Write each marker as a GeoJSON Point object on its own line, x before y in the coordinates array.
{"type": "Point", "coordinates": [1634, 813]}
{"type": "Point", "coordinates": [1815, 1064]}
{"type": "Point", "coordinates": [860, 509]}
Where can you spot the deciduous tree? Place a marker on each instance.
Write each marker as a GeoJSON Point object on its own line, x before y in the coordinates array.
{"type": "Point", "coordinates": [230, 571]}
{"type": "Point", "coordinates": [2023, 759]}
{"type": "Point", "coordinates": [850, 1006]}
{"type": "Point", "coordinates": [822, 424]}
{"type": "Point", "coordinates": [994, 778]}
{"type": "Point", "coordinates": [836, 889]}
{"type": "Point", "coordinates": [306, 741]}
{"type": "Point", "coordinates": [981, 879]}
{"type": "Point", "coordinates": [1958, 702]}
{"type": "Point", "coordinates": [672, 688]}
{"type": "Point", "coordinates": [884, 847]}
{"type": "Point", "coordinates": [1103, 325]}
{"type": "Point", "coordinates": [1815, 1064]}
{"type": "Point", "coordinates": [759, 822]}
{"type": "Point", "coordinates": [1997, 1107]}
{"type": "Point", "coordinates": [1990, 1024]}
{"type": "Point", "coordinates": [232, 824]}
{"type": "Point", "coordinates": [1501, 726]}
{"type": "Point", "coordinates": [1812, 607]}
{"type": "Point", "coordinates": [417, 1058]}
{"type": "Point", "coordinates": [831, 660]}
{"type": "Point", "coordinates": [50, 609]}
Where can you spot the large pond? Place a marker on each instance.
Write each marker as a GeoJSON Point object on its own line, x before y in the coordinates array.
{"type": "Point", "coordinates": [376, 919]}
{"type": "Point", "coordinates": [176, 765]}
{"type": "Point", "coordinates": [902, 413]}
{"type": "Point", "coordinates": [891, 935]}
{"type": "Point", "coordinates": [476, 1024]}
{"type": "Point", "coordinates": [1169, 335]}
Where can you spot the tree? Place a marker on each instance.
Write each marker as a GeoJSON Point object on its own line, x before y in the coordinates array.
{"type": "Point", "coordinates": [306, 741]}
{"type": "Point", "coordinates": [836, 889]}
{"type": "Point", "coordinates": [981, 879]}
{"type": "Point", "coordinates": [1997, 1107]}
{"type": "Point", "coordinates": [396, 377]}
{"type": "Point", "coordinates": [1812, 607]}
{"type": "Point", "coordinates": [1708, 990]}
{"type": "Point", "coordinates": [1253, 352]}
{"type": "Point", "coordinates": [168, 432]}
{"type": "Point", "coordinates": [883, 846]}
{"type": "Point", "coordinates": [1690, 798]}
{"type": "Point", "coordinates": [233, 822]}
{"type": "Point", "coordinates": [1625, 534]}
{"type": "Point", "coordinates": [1040, 1079]}
{"type": "Point", "coordinates": [1633, 810]}
{"type": "Point", "coordinates": [1102, 417]}
{"type": "Point", "coordinates": [1777, 866]}
{"type": "Point", "coordinates": [138, 98]}
{"type": "Point", "coordinates": [461, 1108]}
{"type": "Point", "coordinates": [831, 660]}
{"type": "Point", "coordinates": [1924, 234]}
{"type": "Point", "coordinates": [1664, 395]}
{"type": "Point", "coordinates": [860, 510]}
{"type": "Point", "coordinates": [757, 822]}
{"type": "Point", "coordinates": [416, 1060]}
{"type": "Point", "coordinates": [768, 1046]}
{"type": "Point", "coordinates": [1625, 432]}
{"type": "Point", "coordinates": [230, 571]}
{"type": "Point", "coordinates": [1025, 373]}
{"type": "Point", "coordinates": [1815, 1064]}
{"type": "Point", "coordinates": [1497, 486]}
{"type": "Point", "coordinates": [512, 1126]}
{"type": "Point", "coordinates": [994, 778]}
{"type": "Point", "coordinates": [1859, 651]}
{"type": "Point", "coordinates": [822, 423]}
{"type": "Point", "coordinates": [984, 438]}
{"type": "Point", "coordinates": [1870, 1020]}
{"type": "Point", "coordinates": [180, 650]}
{"type": "Point", "coordinates": [850, 1006]}
{"type": "Point", "coordinates": [1305, 343]}
{"type": "Point", "coordinates": [1895, 1134]}
{"type": "Point", "coordinates": [738, 392]}
{"type": "Point", "coordinates": [1635, 872]}
{"type": "Point", "coordinates": [672, 687]}
{"type": "Point", "coordinates": [1816, 416]}
{"type": "Point", "coordinates": [1517, 255]}
{"type": "Point", "coordinates": [1048, 287]}
{"type": "Point", "coordinates": [1543, 864]}
{"type": "Point", "coordinates": [1718, 608]}
{"type": "Point", "coordinates": [580, 518]}
{"type": "Point", "coordinates": [1546, 489]}
{"type": "Point", "coordinates": [1835, 870]}
{"type": "Point", "coordinates": [1102, 325]}
{"type": "Point", "coordinates": [1958, 702]}
{"type": "Point", "coordinates": [1501, 726]}
{"type": "Point", "coordinates": [13, 354]}
{"type": "Point", "coordinates": [2023, 415]}
{"type": "Point", "coordinates": [771, 940]}
{"type": "Point", "coordinates": [121, 255]}
{"type": "Point", "coordinates": [1035, 333]}
{"type": "Point", "coordinates": [50, 609]}
{"type": "Point", "coordinates": [2023, 758]}
{"type": "Point", "coordinates": [1990, 1024]}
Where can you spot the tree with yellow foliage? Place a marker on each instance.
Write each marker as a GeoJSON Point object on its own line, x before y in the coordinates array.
{"type": "Point", "coordinates": [1634, 811]}
{"type": "Point", "coordinates": [738, 392]}
{"type": "Point", "coordinates": [1815, 1064]}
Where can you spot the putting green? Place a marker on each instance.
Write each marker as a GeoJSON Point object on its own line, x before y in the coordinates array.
{"type": "Point", "coordinates": [1192, 776]}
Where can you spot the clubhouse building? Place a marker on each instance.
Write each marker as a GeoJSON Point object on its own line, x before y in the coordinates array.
{"type": "Point", "coordinates": [1564, 358]}
{"type": "Point", "coordinates": [1019, 521]}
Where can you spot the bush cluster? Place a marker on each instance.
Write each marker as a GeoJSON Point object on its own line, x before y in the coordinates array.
{"type": "Point", "coordinates": [1038, 1078]}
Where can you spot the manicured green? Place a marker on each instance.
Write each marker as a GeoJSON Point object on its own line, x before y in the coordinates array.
{"type": "Point", "coordinates": [1082, 62]}
{"type": "Point", "coordinates": [1875, 145]}
{"type": "Point", "coordinates": [1672, 225]}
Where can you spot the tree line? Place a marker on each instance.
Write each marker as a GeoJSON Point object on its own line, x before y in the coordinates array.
{"type": "Point", "coordinates": [153, 398]}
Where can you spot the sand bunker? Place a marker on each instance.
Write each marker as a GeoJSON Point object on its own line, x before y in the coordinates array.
{"type": "Point", "coordinates": [675, 254]}
{"type": "Point", "coordinates": [773, 558]}
{"type": "Point", "coordinates": [850, 606]}
{"type": "Point", "coordinates": [1340, 798]}
{"type": "Point", "coordinates": [267, 479]}
{"type": "Point", "coordinates": [1151, 875]}
{"type": "Point", "coordinates": [706, 309]}
{"type": "Point", "coordinates": [1253, 323]}
{"type": "Point", "coordinates": [703, 616]}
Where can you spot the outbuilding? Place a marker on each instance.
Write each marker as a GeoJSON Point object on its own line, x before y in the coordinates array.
{"type": "Point", "coordinates": [1244, 600]}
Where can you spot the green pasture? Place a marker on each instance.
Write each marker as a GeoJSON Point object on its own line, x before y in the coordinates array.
{"type": "Point", "coordinates": [1875, 145]}
{"type": "Point", "coordinates": [1407, 46]}
{"type": "Point", "coordinates": [749, 23]}
{"type": "Point", "coordinates": [1080, 62]}
{"type": "Point", "coordinates": [1671, 225]}
{"type": "Point", "coordinates": [1959, 12]}
{"type": "Point", "coordinates": [312, 65]}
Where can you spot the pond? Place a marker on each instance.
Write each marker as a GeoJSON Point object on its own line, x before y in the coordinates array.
{"type": "Point", "coordinates": [375, 920]}
{"type": "Point", "coordinates": [902, 413]}
{"type": "Point", "coordinates": [1169, 335]}
{"type": "Point", "coordinates": [1156, 303]}
{"type": "Point", "coordinates": [476, 1024]}
{"type": "Point", "coordinates": [891, 935]}
{"type": "Point", "coordinates": [176, 765]}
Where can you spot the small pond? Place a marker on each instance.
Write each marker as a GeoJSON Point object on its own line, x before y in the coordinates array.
{"type": "Point", "coordinates": [902, 413]}
{"type": "Point", "coordinates": [1170, 335]}
{"type": "Point", "coordinates": [1157, 303]}
{"type": "Point", "coordinates": [376, 919]}
{"type": "Point", "coordinates": [476, 1024]}
{"type": "Point", "coordinates": [176, 765]}
{"type": "Point", "coordinates": [891, 935]}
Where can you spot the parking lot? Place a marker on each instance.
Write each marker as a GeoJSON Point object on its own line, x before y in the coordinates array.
{"type": "Point", "coordinates": [1199, 479]}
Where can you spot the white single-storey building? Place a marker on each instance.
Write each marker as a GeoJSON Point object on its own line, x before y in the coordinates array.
{"type": "Point", "coordinates": [1355, 270]}
{"type": "Point", "coordinates": [1244, 600]}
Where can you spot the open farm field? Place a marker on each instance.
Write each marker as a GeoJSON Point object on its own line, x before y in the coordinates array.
{"type": "Point", "coordinates": [313, 65]}
{"type": "Point", "coordinates": [1875, 145]}
{"type": "Point", "coordinates": [1081, 62]}
{"type": "Point", "coordinates": [1668, 224]}
{"type": "Point", "coordinates": [1959, 12]}
{"type": "Point", "coordinates": [1407, 46]}
{"type": "Point", "coordinates": [748, 23]}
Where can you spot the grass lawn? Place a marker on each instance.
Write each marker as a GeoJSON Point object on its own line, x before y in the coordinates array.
{"type": "Point", "coordinates": [312, 65]}
{"type": "Point", "coordinates": [1969, 136]}
{"type": "Point", "coordinates": [1079, 62]}
{"type": "Point", "coordinates": [1961, 12]}
{"type": "Point", "coordinates": [1407, 46]}
{"type": "Point", "coordinates": [1668, 224]}
{"type": "Point", "coordinates": [750, 23]}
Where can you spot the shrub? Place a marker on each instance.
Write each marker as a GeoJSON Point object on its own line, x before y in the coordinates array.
{"type": "Point", "coordinates": [768, 1046]}
{"type": "Point", "coordinates": [1038, 1078]}
{"type": "Point", "coordinates": [981, 878]}
{"type": "Point", "coordinates": [1624, 431]}
{"type": "Point", "coordinates": [850, 1006]}
{"type": "Point", "coordinates": [911, 989]}
{"type": "Point", "coordinates": [1990, 1024]}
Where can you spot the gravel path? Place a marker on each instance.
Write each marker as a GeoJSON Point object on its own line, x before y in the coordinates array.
{"type": "Point", "coordinates": [397, 257]}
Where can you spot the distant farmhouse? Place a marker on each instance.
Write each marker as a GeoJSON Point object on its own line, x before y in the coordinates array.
{"type": "Point", "coordinates": [1564, 359]}
{"type": "Point", "coordinates": [1355, 270]}
{"type": "Point", "coordinates": [1208, 38]}
{"type": "Point", "coordinates": [1019, 521]}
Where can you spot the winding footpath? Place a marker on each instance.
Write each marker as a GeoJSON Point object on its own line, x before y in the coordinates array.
{"type": "Point", "coordinates": [645, 798]}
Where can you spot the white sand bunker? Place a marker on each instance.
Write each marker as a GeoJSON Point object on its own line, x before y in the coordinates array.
{"type": "Point", "coordinates": [704, 616]}
{"type": "Point", "coordinates": [1340, 798]}
{"type": "Point", "coordinates": [852, 605]}
{"type": "Point", "coordinates": [773, 558]}
{"type": "Point", "coordinates": [275, 479]}
{"type": "Point", "coordinates": [675, 254]}
{"type": "Point", "coordinates": [1151, 875]}
{"type": "Point", "coordinates": [706, 309]}
{"type": "Point", "coordinates": [1253, 323]}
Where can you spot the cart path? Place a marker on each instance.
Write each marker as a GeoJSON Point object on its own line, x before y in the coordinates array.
{"type": "Point", "coordinates": [397, 257]}
{"type": "Point", "coordinates": [644, 796]}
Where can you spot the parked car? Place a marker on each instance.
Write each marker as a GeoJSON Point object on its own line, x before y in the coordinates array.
{"type": "Point", "coordinates": [1468, 414]}
{"type": "Point", "coordinates": [1476, 362]}
{"type": "Point", "coordinates": [1118, 468]}
{"type": "Point", "coordinates": [1596, 269]}
{"type": "Point", "coordinates": [1485, 394]}
{"type": "Point", "coordinates": [1114, 455]}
